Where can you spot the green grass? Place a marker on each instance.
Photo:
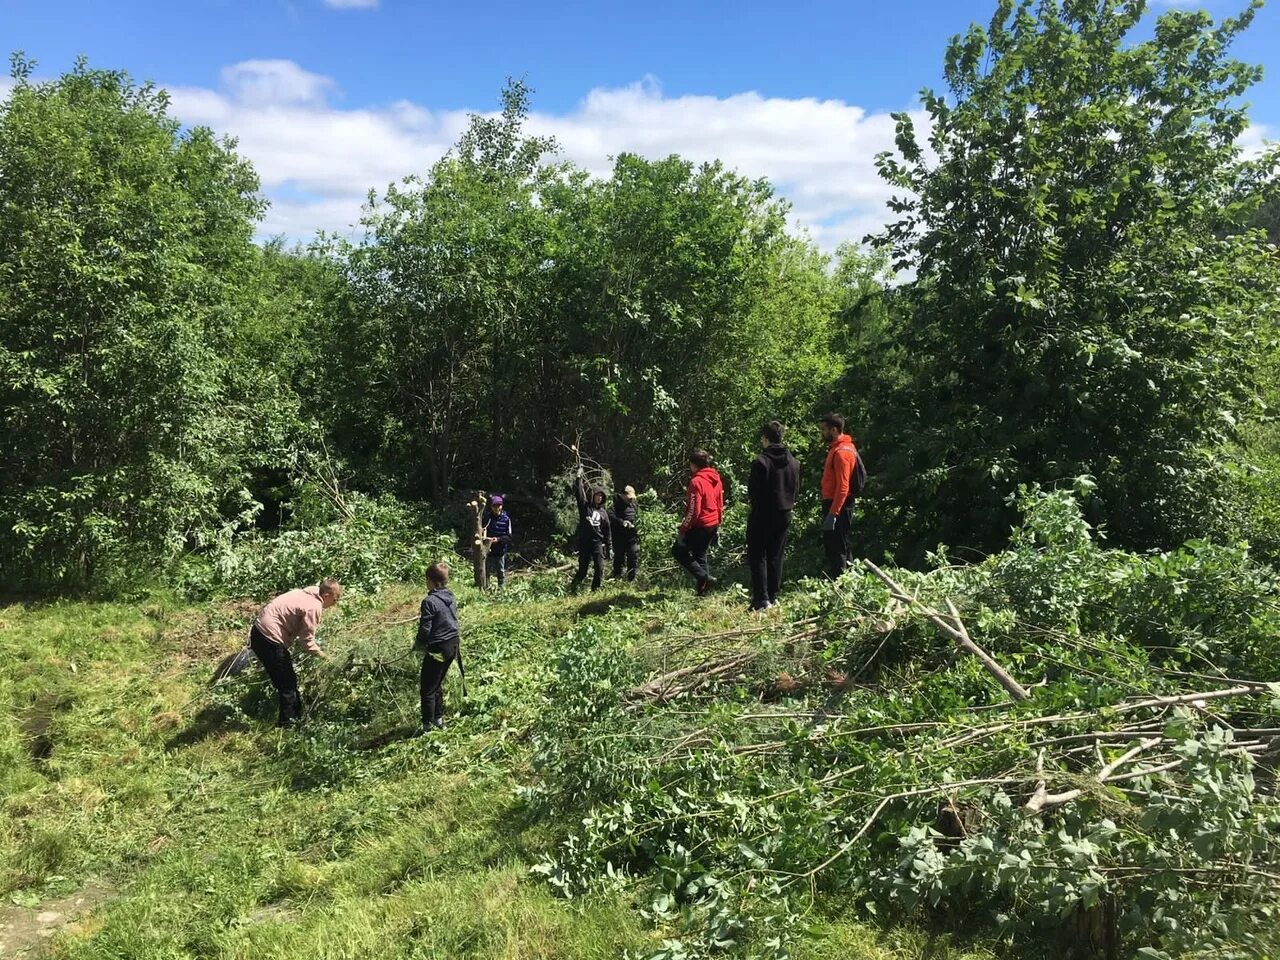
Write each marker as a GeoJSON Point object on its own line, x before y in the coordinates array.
{"type": "Point", "coordinates": [222, 837]}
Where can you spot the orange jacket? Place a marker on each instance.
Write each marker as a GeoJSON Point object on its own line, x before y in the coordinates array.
{"type": "Point", "coordinates": [837, 473]}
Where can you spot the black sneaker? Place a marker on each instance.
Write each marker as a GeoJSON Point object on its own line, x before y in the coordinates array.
{"type": "Point", "coordinates": [437, 724]}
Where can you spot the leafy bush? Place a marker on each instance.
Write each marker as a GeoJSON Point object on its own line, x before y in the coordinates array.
{"type": "Point", "coordinates": [731, 811]}
{"type": "Point", "coordinates": [366, 544]}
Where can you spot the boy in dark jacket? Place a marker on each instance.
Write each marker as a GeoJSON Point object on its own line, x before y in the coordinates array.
{"type": "Point", "coordinates": [771, 490]}
{"type": "Point", "coordinates": [497, 530]}
{"type": "Point", "coordinates": [438, 641]}
{"type": "Point", "coordinates": [626, 537]}
{"type": "Point", "coordinates": [594, 536]}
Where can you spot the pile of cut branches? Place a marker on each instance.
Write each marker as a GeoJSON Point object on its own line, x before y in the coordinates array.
{"type": "Point", "coordinates": [1018, 754]}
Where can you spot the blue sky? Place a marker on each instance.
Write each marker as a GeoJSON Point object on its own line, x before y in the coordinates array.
{"type": "Point", "coordinates": [332, 97]}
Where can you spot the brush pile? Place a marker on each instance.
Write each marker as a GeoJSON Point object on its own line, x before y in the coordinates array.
{"type": "Point", "coordinates": [1082, 746]}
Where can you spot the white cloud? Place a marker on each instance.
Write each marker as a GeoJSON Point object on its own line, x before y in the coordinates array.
{"type": "Point", "coordinates": [1255, 139]}
{"type": "Point", "coordinates": [317, 161]}
{"type": "Point", "coordinates": [350, 4]}
{"type": "Point", "coordinates": [274, 82]}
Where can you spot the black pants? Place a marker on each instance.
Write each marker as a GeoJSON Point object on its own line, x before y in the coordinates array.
{"type": "Point", "coordinates": [766, 543]}
{"type": "Point", "coordinates": [435, 664]}
{"type": "Point", "coordinates": [692, 552]}
{"type": "Point", "coordinates": [628, 549]}
{"type": "Point", "coordinates": [279, 666]}
{"type": "Point", "coordinates": [590, 554]}
{"type": "Point", "coordinates": [835, 542]}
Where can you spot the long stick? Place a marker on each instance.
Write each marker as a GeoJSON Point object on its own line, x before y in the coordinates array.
{"type": "Point", "coordinates": [954, 629]}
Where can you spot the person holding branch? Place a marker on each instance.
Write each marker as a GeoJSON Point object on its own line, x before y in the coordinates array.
{"type": "Point", "coordinates": [290, 617]}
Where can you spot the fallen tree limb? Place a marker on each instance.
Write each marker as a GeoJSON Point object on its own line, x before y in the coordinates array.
{"type": "Point", "coordinates": [955, 629]}
{"type": "Point", "coordinates": [671, 684]}
{"type": "Point", "coordinates": [1042, 799]}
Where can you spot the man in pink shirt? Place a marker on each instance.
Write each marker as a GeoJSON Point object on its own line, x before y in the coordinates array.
{"type": "Point", "coordinates": [289, 617]}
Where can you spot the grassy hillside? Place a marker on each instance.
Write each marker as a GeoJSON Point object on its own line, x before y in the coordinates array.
{"type": "Point", "coordinates": [202, 831]}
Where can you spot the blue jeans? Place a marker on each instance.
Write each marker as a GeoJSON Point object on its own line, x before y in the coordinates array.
{"type": "Point", "coordinates": [496, 566]}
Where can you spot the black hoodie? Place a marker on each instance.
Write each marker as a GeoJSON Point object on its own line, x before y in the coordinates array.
{"type": "Point", "coordinates": [774, 481]}
{"type": "Point", "coordinates": [593, 521]}
{"type": "Point", "coordinates": [623, 512]}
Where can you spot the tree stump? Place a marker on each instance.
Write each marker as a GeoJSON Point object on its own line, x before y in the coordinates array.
{"type": "Point", "coordinates": [479, 543]}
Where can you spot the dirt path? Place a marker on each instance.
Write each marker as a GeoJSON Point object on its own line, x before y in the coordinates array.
{"type": "Point", "coordinates": [26, 931]}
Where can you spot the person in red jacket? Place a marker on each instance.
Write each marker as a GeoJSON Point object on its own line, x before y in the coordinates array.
{"type": "Point", "coordinates": [837, 492]}
{"type": "Point", "coordinates": [704, 508]}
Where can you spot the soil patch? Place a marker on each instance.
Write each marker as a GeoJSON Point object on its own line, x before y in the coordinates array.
{"type": "Point", "coordinates": [26, 931]}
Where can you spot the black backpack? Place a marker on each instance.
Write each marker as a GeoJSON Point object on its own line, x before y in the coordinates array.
{"type": "Point", "coordinates": [857, 482]}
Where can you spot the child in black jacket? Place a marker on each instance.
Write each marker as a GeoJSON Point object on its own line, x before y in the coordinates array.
{"type": "Point", "coordinates": [437, 639]}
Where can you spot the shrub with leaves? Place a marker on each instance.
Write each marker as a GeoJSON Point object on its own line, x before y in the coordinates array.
{"type": "Point", "coordinates": [364, 542]}
{"type": "Point", "coordinates": [852, 753]}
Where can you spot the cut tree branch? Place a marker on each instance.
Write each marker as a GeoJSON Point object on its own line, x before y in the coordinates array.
{"type": "Point", "coordinates": [954, 628]}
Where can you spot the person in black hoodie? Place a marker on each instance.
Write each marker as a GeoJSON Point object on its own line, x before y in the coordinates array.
{"type": "Point", "coordinates": [771, 489]}
{"type": "Point", "coordinates": [595, 539]}
{"type": "Point", "coordinates": [437, 640]}
{"type": "Point", "coordinates": [626, 537]}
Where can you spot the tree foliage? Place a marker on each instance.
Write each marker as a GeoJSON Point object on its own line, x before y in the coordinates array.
{"type": "Point", "coordinates": [124, 245]}
{"type": "Point", "coordinates": [1081, 304]}
{"type": "Point", "coordinates": [506, 302]}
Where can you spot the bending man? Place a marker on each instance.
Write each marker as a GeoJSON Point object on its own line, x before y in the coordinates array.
{"type": "Point", "coordinates": [289, 617]}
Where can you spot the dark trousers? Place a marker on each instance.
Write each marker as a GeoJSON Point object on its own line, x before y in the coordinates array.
{"type": "Point", "coordinates": [590, 554]}
{"type": "Point", "coordinates": [496, 566]}
{"type": "Point", "coordinates": [435, 664]}
{"type": "Point", "coordinates": [691, 552]}
{"type": "Point", "coordinates": [279, 666]}
{"type": "Point", "coordinates": [628, 549]}
{"type": "Point", "coordinates": [835, 543]}
{"type": "Point", "coordinates": [766, 543]}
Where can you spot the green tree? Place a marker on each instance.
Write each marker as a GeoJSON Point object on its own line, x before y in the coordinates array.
{"type": "Point", "coordinates": [124, 243]}
{"type": "Point", "coordinates": [690, 314]}
{"type": "Point", "coordinates": [445, 297]}
{"type": "Point", "coordinates": [1081, 303]}
{"type": "Point", "coordinates": [507, 303]}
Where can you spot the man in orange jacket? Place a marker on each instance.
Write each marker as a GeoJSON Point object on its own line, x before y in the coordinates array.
{"type": "Point", "coordinates": [837, 492]}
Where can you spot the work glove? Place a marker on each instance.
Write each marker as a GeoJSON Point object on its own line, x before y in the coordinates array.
{"type": "Point", "coordinates": [581, 473]}
{"type": "Point", "coordinates": [829, 522]}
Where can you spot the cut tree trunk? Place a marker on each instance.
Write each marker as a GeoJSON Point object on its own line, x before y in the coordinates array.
{"type": "Point", "coordinates": [479, 543]}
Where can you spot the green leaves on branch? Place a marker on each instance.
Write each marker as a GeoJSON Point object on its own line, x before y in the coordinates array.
{"type": "Point", "coordinates": [1085, 301]}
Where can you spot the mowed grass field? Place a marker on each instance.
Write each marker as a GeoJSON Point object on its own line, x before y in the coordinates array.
{"type": "Point", "coordinates": [146, 814]}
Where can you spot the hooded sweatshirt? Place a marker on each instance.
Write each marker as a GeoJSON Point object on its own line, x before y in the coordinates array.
{"type": "Point", "coordinates": [774, 481]}
{"type": "Point", "coordinates": [438, 620]}
{"type": "Point", "coordinates": [837, 472]}
{"type": "Point", "coordinates": [593, 521]}
{"type": "Point", "coordinates": [292, 616]}
{"type": "Point", "coordinates": [705, 501]}
{"type": "Point", "coordinates": [624, 512]}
